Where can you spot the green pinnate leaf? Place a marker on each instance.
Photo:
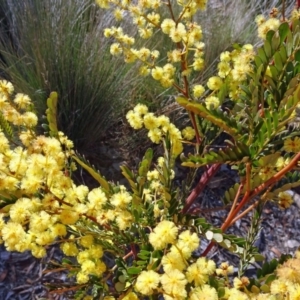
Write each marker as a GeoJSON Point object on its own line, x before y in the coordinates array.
{"type": "Point", "coordinates": [5, 126]}
{"type": "Point", "coordinates": [95, 174]}
{"type": "Point", "coordinates": [231, 155]}
{"type": "Point", "coordinates": [230, 194]}
{"type": "Point", "coordinates": [229, 125]}
{"type": "Point", "coordinates": [145, 163]}
{"type": "Point", "coordinates": [51, 113]}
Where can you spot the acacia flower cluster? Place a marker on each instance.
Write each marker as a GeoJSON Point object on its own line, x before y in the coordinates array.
{"type": "Point", "coordinates": [46, 202]}
{"type": "Point", "coordinates": [155, 251]}
{"type": "Point", "coordinates": [159, 128]}
{"type": "Point", "coordinates": [146, 15]}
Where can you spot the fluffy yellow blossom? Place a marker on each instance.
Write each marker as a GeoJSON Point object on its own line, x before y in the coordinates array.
{"type": "Point", "coordinates": [145, 33]}
{"type": "Point", "coordinates": [38, 251]}
{"type": "Point", "coordinates": [205, 265]}
{"type": "Point", "coordinates": [225, 269]}
{"type": "Point", "coordinates": [173, 284]}
{"type": "Point", "coordinates": [166, 229]}
{"type": "Point", "coordinates": [100, 268]}
{"type": "Point", "coordinates": [188, 133]}
{"type": "Point", "coordinates": [150, 121]}
{"type": "Point", "coordinates": [173, 260]}
{"type": "Point", "coordinates": [58, 230]}
{"type": "Point", "coordinates": [212, 102]}
{"type": "Point", "coordinates": [282, 162]}
{"type": "Point", "coordinates": [177, 33]}
{"type": "Point", "coordinates": [6, 87]}
{"type": "Point", "coordinates": [12, 234]}
{"type": "Point", "coordinates": [169, 70]}
{"type": "Point", "coordinates": [164, 122]}
{"type": "Point", "coordinates": [225, 56]}
{"type": "Point", "coordinates": [124, 219]}
{"type": "Point", "coordinates": [88, 266]}
{"type": "Point", "coordinates": [22, 101]}
{"type": "Point", "coordinates": [198, 64]}
{"type": "Point", "coordinates": [96, 198]}
{"type": "Point", "coordinates": [82, 278]}
{"type": "Point", "coordinates": [235, 294]}
{"type": "Point", "coordinates": [144, 71]}
{"type": "Point", "coordinates": [134, 119]}
{"type": "Point", "coordinates": [177, 148]}
{"type": "Point", "coordinates": [121, 199]}
{"type": "Point", "coordinates": [118, 13]}
{"type": "Point", "coordinates": [174, 133]}
{"type": "Point", "coordinates": [18, 162]}
{"type": "Point", "coordinates": [155, 135]}
{"type": "Point", "coordinates": [295, 14]}
{"type": "Point", "coordinates": [240, 283]}
{"type": "Point", "coordinates": [141, 109]}
{"type": "Point", "coordinates": [279, 286]}
{"type": "Point", "coordinates": [152, 175]}
{"type": "Point", "coordinates": [267, 172]}
{"type": "Point", "coordinates": [87, 240]}
{"type": "Point", "coordinates": [44, 238]}
{"type": "Point", "coordinates": [214, 83]}
{"type": "Point", "coordinates": [174, 56]}
{"type": "Point", "coordinates": [290, 271]}
{"type": "Point", "coordinates": [204, 292]}
{"type": "Point", "coordinates": [187, 243]}
{"type": "Point", "coordinates": [95, 251]}
{"type": "Point", "coordinates": [153, 19]}
{"type": "Point", "coordinates": [68, 217]}
{"type": "Point", "coordinates": [167, 25]}
{"type": "Point", "coordinates": [81, 192]}
{"type": "Point", "coordinates": [260, 19]}
{"type": "Point", "coordinates": [21, 210]}
{"type": "Point", "coordinates": [115, 49]}
{"type": "Point", "coordinates": [292, 145]}
{"type": "Point", "coordinates": [224, 69]}
{"type": "Point", "coordinates": [284, 200]}
{"type": "Point", "coordinates": [146, 282]}
{"type": "Point", "coordinates": [196, 275]}
{"type": "Point", "coordinates": [271, 24]}
{"type": "Point", "coordinates": [4, 143]}
{"type": "Point", "coordinates": [40, 221]}
{"type": "Point", "coordinates": [131, 296]}
{"type": "Point", "coordinates": [294, 291]}
{"type": "Point", "coordinates": [157, 73]}
{"type": "Point", "coordinates": [29, 119]}
{"type": "Point", "coordinates": [83, 255]}
{"type": "Point", "coordinates": [198, 90]}
{"type": "Point", "coordinates": [166, 81]}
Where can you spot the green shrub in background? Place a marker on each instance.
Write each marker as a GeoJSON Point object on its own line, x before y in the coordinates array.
{"type": "Point", "coordinates": [59, 45]}
{"type": "Point", "coordinates": [142, 241]}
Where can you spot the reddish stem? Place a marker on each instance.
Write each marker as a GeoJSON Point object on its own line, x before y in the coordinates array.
{"type": "Point", "coordinates": [249, 195]}
{"type": "Point", "coordinates": [205, 178]}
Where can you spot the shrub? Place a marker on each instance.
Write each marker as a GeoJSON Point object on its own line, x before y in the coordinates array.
{"type": "Point", "coordinates": [142, 241]}
{"type": "Point", "coordinates": [58, 45]}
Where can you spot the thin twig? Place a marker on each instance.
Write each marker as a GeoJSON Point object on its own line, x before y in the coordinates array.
{"type": "Point", "coordinates": [205, 178]}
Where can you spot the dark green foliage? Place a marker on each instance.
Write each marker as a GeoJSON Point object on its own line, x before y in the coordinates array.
{"type": "Point", "coordinates": [59, 46]}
